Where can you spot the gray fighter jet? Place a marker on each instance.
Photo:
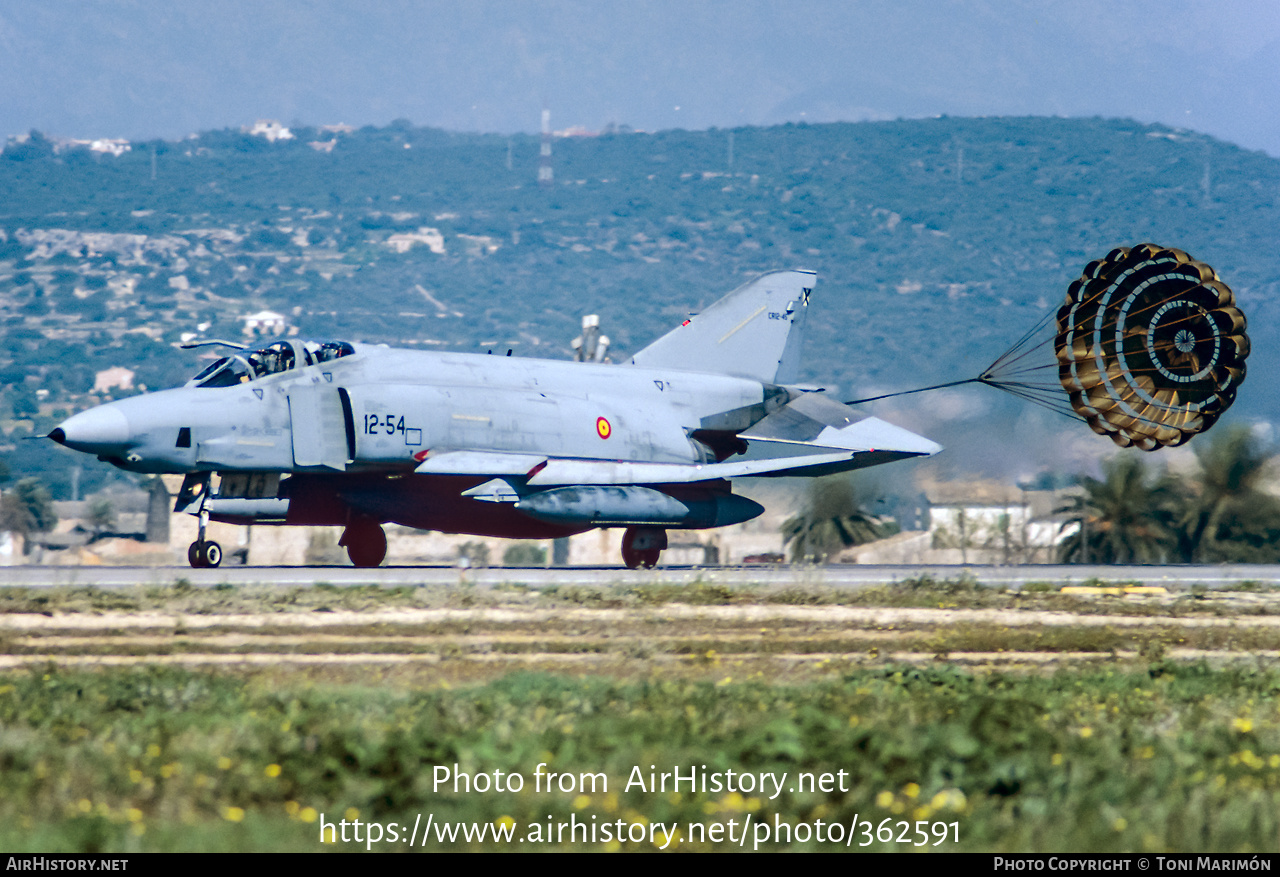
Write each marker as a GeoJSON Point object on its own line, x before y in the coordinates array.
{"type": "Point", "coordinates": [357, 435]}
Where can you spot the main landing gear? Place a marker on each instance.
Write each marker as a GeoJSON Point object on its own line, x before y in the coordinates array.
{"type": "Point", "coordinates": [642, 546]}
{"type": "Point", "coordinates": [365, 542]}
{"type": "Point", "coordinates": [204, 554]}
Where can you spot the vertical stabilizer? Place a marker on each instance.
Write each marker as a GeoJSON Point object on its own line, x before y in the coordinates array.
{"type": "Point", "coordinates": [753, 332]}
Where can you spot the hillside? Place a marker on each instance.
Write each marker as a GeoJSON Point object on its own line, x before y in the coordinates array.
{"type": "Point", "coordinates": [938, 242]}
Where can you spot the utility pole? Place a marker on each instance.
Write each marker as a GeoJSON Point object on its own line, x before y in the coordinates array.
{"type": "Point", "coordinates": [545, 175]}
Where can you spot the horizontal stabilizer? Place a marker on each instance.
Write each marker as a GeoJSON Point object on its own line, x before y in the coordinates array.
{"type": "Point", "coordinates": [816, 419]}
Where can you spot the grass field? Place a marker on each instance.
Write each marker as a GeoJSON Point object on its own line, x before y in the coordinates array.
{"type": "Point", "coordinates": [239, 719]}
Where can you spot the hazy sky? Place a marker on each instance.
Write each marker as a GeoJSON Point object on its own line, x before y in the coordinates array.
{"type": "Point", "coordinates": [147, 68]}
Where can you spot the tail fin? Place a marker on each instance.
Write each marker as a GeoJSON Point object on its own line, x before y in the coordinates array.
{"type": "Point", "coordinates": [753, 332]}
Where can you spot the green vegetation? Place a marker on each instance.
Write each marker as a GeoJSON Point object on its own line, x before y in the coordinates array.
{"type": "Point", "coordinates": [1221, 514]}
{"type": "Point", "coordinates": [1115, 732]}
{"type": "Point", "coordinates": [525, 554]}
{"type": "Point", "coordinates": [833, 518]}
{"type": "Point", "coordinates": [27, 508]}
{"type": "Point", "coordinates": [1170, 758]}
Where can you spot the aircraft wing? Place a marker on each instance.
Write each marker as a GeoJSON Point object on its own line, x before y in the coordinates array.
{"type": "Point", "coordinates": [812, 435]}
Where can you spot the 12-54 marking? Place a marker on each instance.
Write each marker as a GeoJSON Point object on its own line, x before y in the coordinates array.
{"type": "Point", "coordinates": [374, 424]}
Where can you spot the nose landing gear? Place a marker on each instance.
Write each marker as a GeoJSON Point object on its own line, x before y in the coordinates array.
{"type": "Point", "coordinates": [204, 554]}
{"type": "Point", "coordinates": [365, 542]}
{"type": "Point", "coordinates": [642, 546]}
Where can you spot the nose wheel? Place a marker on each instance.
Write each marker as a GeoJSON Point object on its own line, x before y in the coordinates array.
{"type": "Point", "coordinates": [365, 542]}
{"type": "Point", "coordinates": [204, 555]}
{"type": "Point", "coordinates": [642, 546]}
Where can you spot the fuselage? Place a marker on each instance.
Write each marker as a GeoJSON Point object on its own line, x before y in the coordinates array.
{"type": "Point", "coordinates": [348, 433]}
{"type": "Point", "coordinates": [385, 409]}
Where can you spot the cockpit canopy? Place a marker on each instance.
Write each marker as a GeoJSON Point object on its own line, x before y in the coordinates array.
{"type": "Point", "coordinates": [279, 356]}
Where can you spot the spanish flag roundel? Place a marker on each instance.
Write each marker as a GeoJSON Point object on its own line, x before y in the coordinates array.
{"type": "Point", "coordinates": [603, 429]}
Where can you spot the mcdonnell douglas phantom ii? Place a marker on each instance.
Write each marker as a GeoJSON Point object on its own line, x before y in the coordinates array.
{"type": "Point", "coordinates": [355, 435]}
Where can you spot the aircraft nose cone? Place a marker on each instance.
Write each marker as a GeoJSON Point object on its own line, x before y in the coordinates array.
{"type": "Point", "coordinates": [98, 430]}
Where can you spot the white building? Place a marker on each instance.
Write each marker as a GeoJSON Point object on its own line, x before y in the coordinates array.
{"type": "Point", "coordinates": [115, 377]}
{"type": "Point", "coordinates": [265, 323]}
{"type": "Point", "coordinates": [270, 129]}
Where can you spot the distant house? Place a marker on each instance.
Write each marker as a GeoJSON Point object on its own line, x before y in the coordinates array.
{"type": "Point", "coordinates": [110, 146]}
{"type": "Point", "coordinates": [403, 241]}
{"type": "Point", "coordinates": [977, 522]}
{"type": "Point", "coordinates": [477, 244]}
{"type": "Point", "coordinates": [267, 323]}
{"type": "Point", "coordinates": [105, 145]}
{"type": "Point", "coordinates": [116, 377]}
{"type": "Point", "coordinates": [989, 522]}
{"type": "Point", "coordinates": [270, 129]}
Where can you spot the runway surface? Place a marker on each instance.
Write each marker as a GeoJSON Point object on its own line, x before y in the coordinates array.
{"type": "Point", "coordinates": [852, 576]}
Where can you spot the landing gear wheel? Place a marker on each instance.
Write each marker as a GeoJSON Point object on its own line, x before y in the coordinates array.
{"type": "Point", "coordinates": [204, 555]}
{"type": "Point", "coordinates": [366, 544]}
{"type": "Point", "coordinates": [642, 546]}
{"type": "Point", "coordinates": [212, 554]}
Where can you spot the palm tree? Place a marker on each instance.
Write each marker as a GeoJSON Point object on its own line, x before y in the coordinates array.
{"type": "Point", "coordinates": [1228, 516]}
{"type": "Point", "coordinates": [832, 519]}
{"type": "Point", "coordinates": [1125, 518]}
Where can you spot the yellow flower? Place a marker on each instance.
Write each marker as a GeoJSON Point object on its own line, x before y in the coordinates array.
{"type": "Point", "coordinates": [272, 770]}
{"type": "Point", "coordinates": [884, 800]}
{"type": "Point", "coordinates": [1243, 725]}
{"type": "Point", "coordinates": [308, 814]}
{"type": "Point", "coordinates": [233, 814]}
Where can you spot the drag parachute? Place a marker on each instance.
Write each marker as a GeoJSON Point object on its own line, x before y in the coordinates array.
{"type": "Point", "coordinates": [1150, 346]}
